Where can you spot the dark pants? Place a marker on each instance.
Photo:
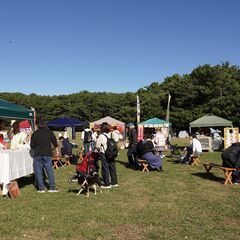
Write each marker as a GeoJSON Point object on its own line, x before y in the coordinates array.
{"type": "Point", "coordinates": [108, 168]}
{"type": "Point", "coordinates": [132, 154]}
{"type": "Point", "coordinates": [189, 152]}
{"type": "Point", "coordinates": [86, 147]}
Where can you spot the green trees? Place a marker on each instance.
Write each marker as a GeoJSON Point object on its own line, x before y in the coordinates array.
{"type": "Point", "coordinates": [207, 89]}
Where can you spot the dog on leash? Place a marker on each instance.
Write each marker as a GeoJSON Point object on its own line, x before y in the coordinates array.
{"type": "Point", "coordinates": [89, 181]}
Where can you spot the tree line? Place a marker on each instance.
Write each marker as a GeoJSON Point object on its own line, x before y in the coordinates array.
{"type": "Point", "coordinates": [207, 89]}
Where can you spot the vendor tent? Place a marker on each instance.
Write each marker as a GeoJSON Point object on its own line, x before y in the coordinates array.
{"type": "Point", "coordinates": [155, 123]}
{"type": "Point", "coordinates": [210, 120]}
{"type": "Point", "coordinates": [13, 111]}
{"type": "Point", "coordinates": [112, 121]}
{"type": "Point", "coordinates": [24, 124]}
{"type": "Point", "coordinates": [67, 122]}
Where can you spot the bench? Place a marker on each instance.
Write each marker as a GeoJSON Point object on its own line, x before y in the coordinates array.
{"type": "Point", "coordinates": [227, 171]}
{"type": "Point", "coordinates": [144, 164]}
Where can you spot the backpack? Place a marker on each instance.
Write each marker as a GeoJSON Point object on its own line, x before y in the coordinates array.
{"type": "Point", "coordinates": [87, 136]}
{"type": "Point", "coordinates": [111, 151]}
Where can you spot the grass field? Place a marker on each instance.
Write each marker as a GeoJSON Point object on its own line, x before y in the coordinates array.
{"type": "Point", "coordinates": [180, 203]}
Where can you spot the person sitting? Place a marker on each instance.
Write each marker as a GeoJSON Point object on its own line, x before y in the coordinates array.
{"type": "Point", "coordinates": [194, 149]}
{"type": "Point", "coordinates": [231, 158]}
{"type": "Point", "coordinates": [66, 148]}
{"type": "Point", "coordinates": [145, 151]}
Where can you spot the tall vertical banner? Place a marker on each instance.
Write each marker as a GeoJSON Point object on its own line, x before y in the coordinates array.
{"type": "Point", "coordinates": [168, 107]}
{"type": "Point", "coordinates": [138, 110]}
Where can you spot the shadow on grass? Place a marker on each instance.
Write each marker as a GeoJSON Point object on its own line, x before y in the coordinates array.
{"type": "Point", "coordinates": [27, 180]}
{"type": "Point", "coordinates": [209, 176]}
{"type": "Point", "coordinates": [125, 164]}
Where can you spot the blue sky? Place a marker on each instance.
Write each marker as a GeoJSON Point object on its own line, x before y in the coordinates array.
{"type": "Point", "coordinates": [53, 47]}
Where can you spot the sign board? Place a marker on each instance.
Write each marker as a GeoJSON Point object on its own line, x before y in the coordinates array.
{"type": "Point", "coordinates": [230, 136]}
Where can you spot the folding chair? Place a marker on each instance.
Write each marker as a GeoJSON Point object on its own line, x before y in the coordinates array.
{"type": "Point", "coordinates": [67, 160]}
{"type": "Point", "coordinates": [55, 160]}
{"type": "Point", "coordinates": [144, 164]}
{"type": "Point", "coordinates": [195, 160]}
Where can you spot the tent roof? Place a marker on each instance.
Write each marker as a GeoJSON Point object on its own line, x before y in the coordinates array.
{"type": "Point", "coordinates": [155, 122]}
{"type": "Point", "coordinates": [24, 124]}
{"type": "Point", "coordinates": [109, 120]}
{"type": "Point", "coordinates": [210, 120]}
{"type": "Point", "coordinates": [66, 122]}
{"type": "Point", "coordinates": [13, 111]}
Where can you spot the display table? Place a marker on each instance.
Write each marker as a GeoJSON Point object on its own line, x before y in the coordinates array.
{"type": "Point", "coordinates": [14, 164]}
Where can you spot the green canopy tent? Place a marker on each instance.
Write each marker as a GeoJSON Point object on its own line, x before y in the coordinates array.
{"type": "Point", "coordinates": [210, 120]}
{"type": "Point", "coordinates": [155, 123]}
{"type": "Point", "coordinates": [13, 111]}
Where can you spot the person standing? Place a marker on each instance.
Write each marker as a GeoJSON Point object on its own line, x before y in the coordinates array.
{"type": "Point", "coordinates": [17, 137]}
{"type": "Point", "coordinates": [132, 150]}
{"type": "Point", "coordinates": [160, 142]}
{"type": "Point", "coordinates": [108, 165]}
{"type": "Point", "coordinates": [41, 141]}
{"type": "Point", "coordinates": [87, 139]}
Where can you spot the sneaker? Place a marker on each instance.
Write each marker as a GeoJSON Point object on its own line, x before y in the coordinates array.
{"type": "Point", "coordinates": [106, 186]}
{"type": "Point", "coordinates": [53, 190]}
{"type": "Point", "coordinates": [114, 185]}
{"type": "Point", "coordinates": [41, 191]}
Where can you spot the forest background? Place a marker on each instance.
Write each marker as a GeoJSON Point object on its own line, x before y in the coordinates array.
{"type": "Point", "coordinates": [207, 89]}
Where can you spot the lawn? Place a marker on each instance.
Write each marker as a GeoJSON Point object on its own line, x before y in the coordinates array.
{"type": "Point", "coordinates": [180, 203]}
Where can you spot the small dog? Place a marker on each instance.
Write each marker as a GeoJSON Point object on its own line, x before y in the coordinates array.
{"type": "Point", "coordinates": [90, 181]}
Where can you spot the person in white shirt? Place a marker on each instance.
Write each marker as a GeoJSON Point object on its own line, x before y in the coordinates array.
{"type": "Point", "coordinates": [195, 149]}
{"type": "Point", "coordinates": [159, 141]}
{"type": "Point", "coordinates": [115, 134]}
{"type": "Point", "coordinates": [18, 137]}
{"type": "Point", "coordinates": [87, 140]}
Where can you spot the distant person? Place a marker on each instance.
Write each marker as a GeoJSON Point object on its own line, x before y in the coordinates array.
{"type": "Point", "coordinates": [132, 147]}
{"type": "Point", "coordinates": [145, 151]}
{"type": "Point", "coordinates": [231, 158]}
{"type": "Point", "coordinates": [159, 141]}
{"type": "Point", "coordinates": [94, 138]}
{"type": "Point", "coordinates": [87, 139]}
{"type": "Point", "coordinates": [66, 148]}
{"type": "Point", "coordinates": [41, 142]}
{"type": "Point", "coordinates": [65, 134]}
{"type": "Point", "coordinates": [116, 135]}
{"type": "Point", "coordinates": [194, 149]}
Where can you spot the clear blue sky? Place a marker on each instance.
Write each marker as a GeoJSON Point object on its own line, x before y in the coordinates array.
{"type": "Point", "coordinates": [63, 46]}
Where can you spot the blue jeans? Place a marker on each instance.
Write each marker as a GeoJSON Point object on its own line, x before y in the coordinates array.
{"type": "Point", "coordinates": [40, 163]}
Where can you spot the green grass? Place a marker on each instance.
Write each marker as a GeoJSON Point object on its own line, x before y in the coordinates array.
{"type": "Point", "coordinates": [179, 203]}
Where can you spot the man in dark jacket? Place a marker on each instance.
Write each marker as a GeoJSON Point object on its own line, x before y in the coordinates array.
{"type": "Point", "coordinates": [41, 141]}
{"type": "Point", "coordinates": [231, 158]}
{"type": "Point", "coordinates": [132, 138]}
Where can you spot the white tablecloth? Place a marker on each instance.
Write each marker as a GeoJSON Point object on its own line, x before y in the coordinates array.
{"type": "Point", "coordinates": [14, 164]}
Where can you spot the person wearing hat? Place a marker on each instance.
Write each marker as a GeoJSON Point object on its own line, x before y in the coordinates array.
{"type": "Point", "coordinates": [132, 150]}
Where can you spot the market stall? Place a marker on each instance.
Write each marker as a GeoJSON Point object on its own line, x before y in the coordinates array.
{"type": "Point", "coordinates": [112, 121]}
{"type": "Point", "coordinates": [152, 124]}
{"type": "Point", "coordinates": [209, 121]}
{"type": "Point", "coordinates": [15, 163]}
{"type": "Point", "coordinates": [67, 122]}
